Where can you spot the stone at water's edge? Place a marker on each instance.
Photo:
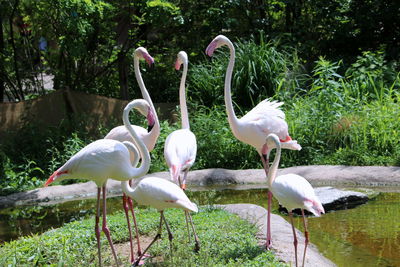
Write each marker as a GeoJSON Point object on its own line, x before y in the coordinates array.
{"type": "Point", "coordinates": [282, 235]}
{"type": "Point", "coordinates": [335, 199]}
{"type": "Point", "coordinates": [316, 175]}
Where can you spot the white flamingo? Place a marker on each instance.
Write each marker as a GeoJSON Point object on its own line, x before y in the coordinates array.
{"type": "Point", "coordinates": [293, 192]}
{"type": "Point", "coordinates": [254, 127]}
{"type": "Point", "coordinates": [160, 194]}
{"type": "Point", "coordinates": [180, 146]}
{"type": "Point", "coordinates": [149, 136]}
{"type": "Point", "coordinates": [106, 159]}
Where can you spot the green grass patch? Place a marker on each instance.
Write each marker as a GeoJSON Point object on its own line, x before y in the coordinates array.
{"type": "Point", "coordinates": [226, 240]}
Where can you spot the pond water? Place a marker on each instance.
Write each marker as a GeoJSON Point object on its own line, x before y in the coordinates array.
{"type": "Point", "coordinates": [368, 235]}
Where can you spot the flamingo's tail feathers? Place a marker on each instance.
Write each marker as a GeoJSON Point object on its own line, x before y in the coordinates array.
{"type": "Point", "coordinates": [175, 170]}
{"type": "Point", "coordinates": [315, 207]}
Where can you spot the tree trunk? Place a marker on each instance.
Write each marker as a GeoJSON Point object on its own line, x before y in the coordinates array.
{"type": "Point", "coordinates": [2, 70]}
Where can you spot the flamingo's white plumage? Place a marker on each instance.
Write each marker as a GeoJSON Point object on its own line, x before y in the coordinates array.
{"type": "Point", "coordinates": [254, 127]}
{"type": "Point", "coordinates": [180, 146]}
{"type": "Point", "coordinates": [106, 159]}
{"type": "Point", "coordinates": [293, 192]}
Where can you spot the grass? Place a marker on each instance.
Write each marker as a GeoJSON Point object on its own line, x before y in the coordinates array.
{"type": "Point", "coordinates": [222, 243]}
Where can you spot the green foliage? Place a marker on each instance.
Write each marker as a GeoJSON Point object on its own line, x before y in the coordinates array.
{"type": "Point", "coordinates": [260, 71]}
{"type": "Point", "coordinates": [222, 244]}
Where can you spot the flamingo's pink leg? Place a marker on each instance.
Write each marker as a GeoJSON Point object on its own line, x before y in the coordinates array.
{"type": "Point", "coordinates": [125, 206]}
{"type": "Point", "coordinates": [105, 228]}
{"type": "Point", "coordinates": [294, 236]}
{"type": "Point", "coordinates": [265, 161]}
{"type": "Point", "coordinates": [96, 226]}
{"type": "Point", "coordinates": [306, 235]}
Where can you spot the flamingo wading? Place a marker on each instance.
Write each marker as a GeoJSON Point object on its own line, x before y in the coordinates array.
{"type": "Point", "coordinates": [254, 127]}
{"type": "Point", "coordinates": [180, 146]}
{"type": "Point", "coordinates": [149, 136]}
{"type": "Point", "coordinates": [106, 159]}
{"type": "Point", "coordinates": [292, 191]}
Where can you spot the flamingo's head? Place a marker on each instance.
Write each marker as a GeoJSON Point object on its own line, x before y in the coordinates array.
{"type": "Point", "coordinates": [182, 58]}
{"type": "Point", "coordinates": [218, 41]}
{"type": "Point", "coordinates": [144, 108]}
{"type": "Point", "coordinates": [57, 175]}
{"type": "Point", "coordinates": [141, 52]}
{"type": "Point", "coordinates": [273, 141]}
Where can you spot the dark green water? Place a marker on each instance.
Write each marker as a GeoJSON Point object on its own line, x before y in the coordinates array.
{"type": "Point", "coordinates": [368, 235]}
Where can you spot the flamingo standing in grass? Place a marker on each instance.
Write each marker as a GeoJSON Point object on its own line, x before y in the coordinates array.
{"type": "Point", "coordinates": [160, 194]}
{"type": "Point", "coordinates": [149, 136]}
{"type": "Point", "coordinates": [293, 192]}
{"type": "Point", "coordinates": [180, 146]}
{"type": "Point", "coordinates": [107, 159]}
{"type": "Point", "coordinates": [257, 124]}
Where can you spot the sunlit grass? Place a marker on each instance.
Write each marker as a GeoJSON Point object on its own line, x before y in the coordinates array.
{"type": "Point", "coordinates": [226, 240]}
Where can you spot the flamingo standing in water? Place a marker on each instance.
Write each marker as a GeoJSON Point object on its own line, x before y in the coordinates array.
{"type": "Point", "coordinates": [254, 127]}
{"type": "Point", "coordinates": [180, 146]}
{"type": "Point", "coordinates": [293, 192]}
{"type": "Point", "coordinates": [149, 136]}
{"type": "Point", "coordinates": [107, 159]}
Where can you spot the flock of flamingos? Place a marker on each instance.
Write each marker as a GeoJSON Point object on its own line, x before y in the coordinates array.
{"type": "Point", "coordinates": [117, 155]}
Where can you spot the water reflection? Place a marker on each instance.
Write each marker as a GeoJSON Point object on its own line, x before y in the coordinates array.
{"type": "Point", "coordinates": [368, 235]}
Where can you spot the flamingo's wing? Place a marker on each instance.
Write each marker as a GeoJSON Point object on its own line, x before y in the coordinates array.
{"type": "Point", "coordinates": [98, 161]}
{"type": "Point", "coordinates": [268, 118]}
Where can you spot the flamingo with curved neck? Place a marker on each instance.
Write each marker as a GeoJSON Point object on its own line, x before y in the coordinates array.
{"type": "Point", "coordinates": [106, 159]}
{"type": "Point", "coordinates": [148, 136]}
{"type": "Point", "coordinates": [254, 127]}
{"type": "Point", "coordinates": [293, 192]}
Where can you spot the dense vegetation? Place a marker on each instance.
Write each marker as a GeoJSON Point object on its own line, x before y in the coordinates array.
{"type": "Point", "coordinates": [337, 72]}
{"type": "Point", "coordinates": [75, 244]}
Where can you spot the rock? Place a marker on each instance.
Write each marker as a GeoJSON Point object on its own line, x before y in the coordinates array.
{"type": "Point", "coordinates": [282, 235]}
{"type": "Point", "coordinates": [239, 179]}
{"type": "Point", "coordinates": [335, 199]}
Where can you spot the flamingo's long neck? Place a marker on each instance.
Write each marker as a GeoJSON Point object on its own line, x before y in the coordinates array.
{"type": "Point", "coordinates": [144, 153]}
{"type": "Point", "coordinates": [233, 120]}
{"type": "Point", "coordinates": [182, 98]}
{"type": "Point", "coordinates": [155, 132]}
{"type": "Point", "coordinates": [274, 167]}
{"type": "Point", "coordinates": [127, 189]}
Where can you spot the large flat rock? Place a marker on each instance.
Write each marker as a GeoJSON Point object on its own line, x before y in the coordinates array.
{"type": "Point", "coordinates": [201, 179]}
{"type": "Point", "coordinates": [282, 236]}
{"type": "Point", "coordinates": [335, 199]}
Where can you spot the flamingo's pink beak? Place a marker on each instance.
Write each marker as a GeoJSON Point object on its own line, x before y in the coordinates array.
{"type": "Point", "coordinates": [211, 48]}
{"type": "Point", "coordinates": [148, 59]}
{"type": "Point", "coordinates": [183, 187]}
{"type": "Point", "coordinates": [51, 179]}
{"type": "Point", "coordinates": [177, 65]}
{"type": "Point", "coordinates": [150, 120]}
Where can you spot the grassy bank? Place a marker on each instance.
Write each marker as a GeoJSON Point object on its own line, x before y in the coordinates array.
{"type": "Point", "coordinates": [222, 243]}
